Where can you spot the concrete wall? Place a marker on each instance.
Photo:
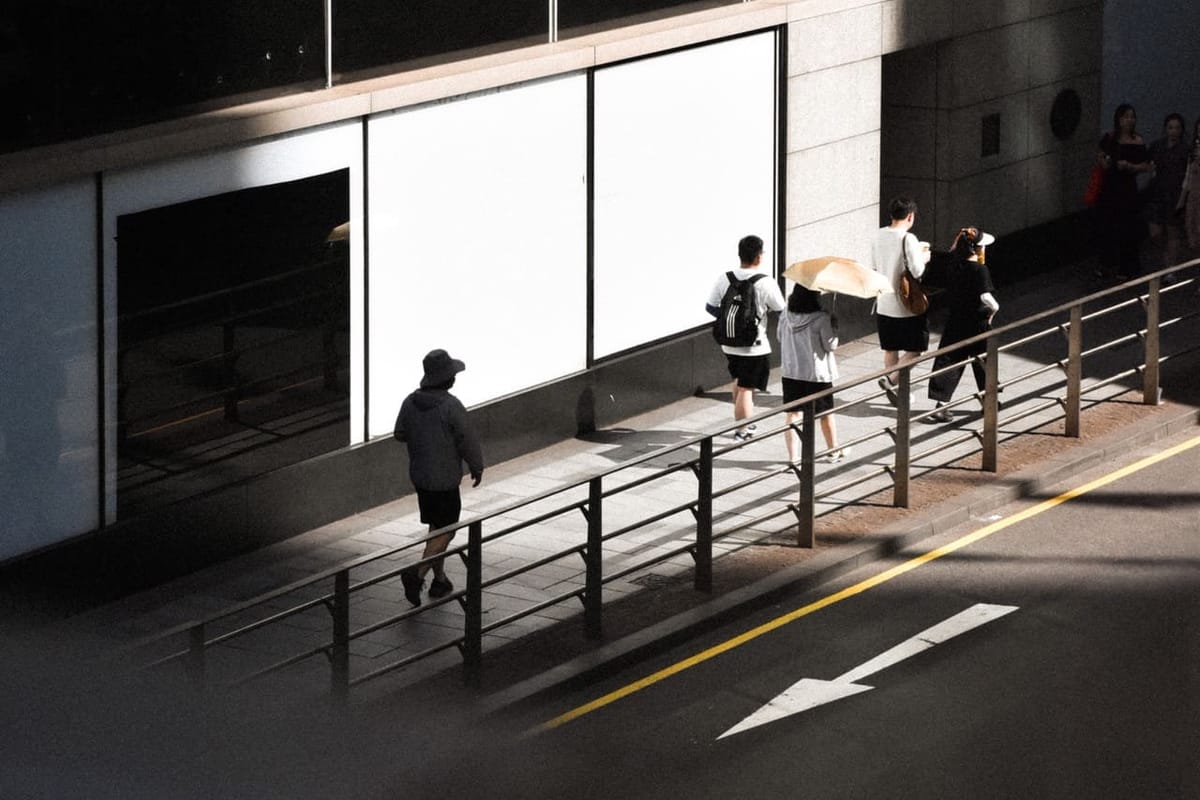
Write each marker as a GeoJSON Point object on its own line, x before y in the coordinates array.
{"type": "Point", "coordinates": [945, 73]}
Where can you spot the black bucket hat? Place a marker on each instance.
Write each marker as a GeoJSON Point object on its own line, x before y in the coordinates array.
{"type": "Point", "coordinates": [439, 368]}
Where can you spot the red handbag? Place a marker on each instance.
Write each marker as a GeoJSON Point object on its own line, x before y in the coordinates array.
{"type": "Point", "coordinates": [1091, 195]}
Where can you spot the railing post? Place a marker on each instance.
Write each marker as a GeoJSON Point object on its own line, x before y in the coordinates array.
{"type": "Point", "coordinates": [473, 607]}
{"type": "Point", "coordinates": [593, 600]}
{"type": "Point", "coordinates": [1151, 394]}
{"type": "Point", "coordinates": [339, 655]}
{"type": "Point", "coordinates": [903, 424]}
{"type": "Point", "coordinates": [806, 510]}
{"type": "Point", "coordinates": [991, 404]}
{"type": "Point", "coordinates": [196, 668]}
{"type": "Point", "coordinates": [1074, 371]}
{"type": "Point", "coordinates": [703, 579]}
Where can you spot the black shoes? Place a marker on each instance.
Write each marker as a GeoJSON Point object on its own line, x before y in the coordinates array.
{"type": "Point", "coordinates": [941, 415]}
{"type": "Point", "coordinates": [440, 588]}
{"type": "Point", "coordinates": [412, 585]}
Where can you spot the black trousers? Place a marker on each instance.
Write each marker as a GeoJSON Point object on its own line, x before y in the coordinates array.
{"type": "Point", "coordinates": [941, 387]}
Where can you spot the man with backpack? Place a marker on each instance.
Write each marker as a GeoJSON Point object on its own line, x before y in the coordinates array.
{"type": "Point", "coordinates": [740, 300]}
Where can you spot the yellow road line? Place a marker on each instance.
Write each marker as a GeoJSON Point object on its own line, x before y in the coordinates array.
{"type": "Point", "coordinates": [858, 588]}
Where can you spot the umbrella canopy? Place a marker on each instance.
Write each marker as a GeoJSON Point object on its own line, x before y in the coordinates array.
{"type": "Point", "coordinates": [840, 275]}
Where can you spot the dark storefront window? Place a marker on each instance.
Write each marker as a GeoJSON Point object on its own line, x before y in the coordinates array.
{"type": "Point", "coordinates": [232, 337]}
{"type": "Point", "coordinates": [73, 68]}
{"type": "Point", "coordinates": [370, 34]}
{"type": "Point", "coordinates": [580, 17]}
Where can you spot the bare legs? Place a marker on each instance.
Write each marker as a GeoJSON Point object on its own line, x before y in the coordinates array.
{"type": "Point", "coordinates": [792, 441]}
{"type": "Point", "coordinates": [743, 401]}
{"type": "Point", "coordinates": [893, 359]}
{"type": "Point", "coordinates": [434, 547]}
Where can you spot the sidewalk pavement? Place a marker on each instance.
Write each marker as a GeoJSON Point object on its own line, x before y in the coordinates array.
{"type": "Point", "coordinates": [396, 523]}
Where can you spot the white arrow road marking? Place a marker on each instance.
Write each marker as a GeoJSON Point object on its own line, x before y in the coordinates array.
{"type": "Point", "coordinates": [811, 692]}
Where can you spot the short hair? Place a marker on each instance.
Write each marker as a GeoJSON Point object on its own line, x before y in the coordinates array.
{"type": "Point", "coordinates": [902, 206]}
{"type": "Point", "coordinates": [803, 300]}
{"type": "Point", "coordinates": [749, 248]}
{"type": "Point", "coordinates": [1178, 118]}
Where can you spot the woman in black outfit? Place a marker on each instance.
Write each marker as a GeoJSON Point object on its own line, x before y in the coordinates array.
{"type": "Point", "coordinates": [972, 306]}
{"type": "Point", "coordinates": [1120, 227]}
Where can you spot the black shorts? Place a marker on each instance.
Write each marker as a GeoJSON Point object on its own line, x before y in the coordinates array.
{"type": "Point", "coordinates": [794, 389]}
{"type": "Point", "coordinates": [903, 334]}
{"type": "Point", "coordinates": [439, 508]}
{"type": "Point", "coordinates": [750, 372]}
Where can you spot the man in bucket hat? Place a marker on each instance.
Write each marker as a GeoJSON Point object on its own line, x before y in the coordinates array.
{"type": "Point", "coordinates": [434, 425]}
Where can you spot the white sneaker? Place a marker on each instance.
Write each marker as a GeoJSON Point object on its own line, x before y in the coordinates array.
{"type": "Point", "coordinates": [841, 454]}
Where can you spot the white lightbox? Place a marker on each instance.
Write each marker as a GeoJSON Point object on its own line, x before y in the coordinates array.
{"type": "Point", "coordinates": [685, 154]}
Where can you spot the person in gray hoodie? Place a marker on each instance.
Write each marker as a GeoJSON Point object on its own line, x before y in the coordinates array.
{"type": "Point", "coordinates": [434, 425]}
{"type": "Point", "coordinates": [807, 338]}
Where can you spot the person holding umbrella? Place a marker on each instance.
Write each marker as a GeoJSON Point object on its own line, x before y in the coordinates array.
{"type": "Point", "coordinates": [807, 338]}
{"type": "Point", "coordinates": [972, 307]}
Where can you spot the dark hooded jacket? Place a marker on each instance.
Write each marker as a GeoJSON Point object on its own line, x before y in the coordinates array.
{"type": "Point", "coordinates": [434, 425]}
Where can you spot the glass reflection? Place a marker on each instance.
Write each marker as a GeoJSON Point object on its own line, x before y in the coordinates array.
{"type": "Point", "coordinates": [233, 337]}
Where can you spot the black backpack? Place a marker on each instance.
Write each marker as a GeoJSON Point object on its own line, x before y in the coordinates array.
{"type": "Point", "coordinates": [737, 321]}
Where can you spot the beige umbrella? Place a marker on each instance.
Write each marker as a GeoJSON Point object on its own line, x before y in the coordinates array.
{"type": "Point", "coordinates": [341, 233]}
{"type": "Point", "coordinates": [839, 275]}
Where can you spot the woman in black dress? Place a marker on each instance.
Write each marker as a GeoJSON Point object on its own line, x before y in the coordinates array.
{"type": "Point", "coordinates": [1120, 227]}
{"type": "Point", "coordinates": [972, 306]}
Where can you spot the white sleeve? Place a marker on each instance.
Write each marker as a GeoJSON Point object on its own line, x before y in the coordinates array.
{"type": "Point", "coordinates": [989, 301]}
{"type": "Point", "coordinates": [916, 261]}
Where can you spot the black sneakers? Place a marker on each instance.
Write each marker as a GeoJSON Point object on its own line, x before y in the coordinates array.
{"type": "Point", "coordinates": [440, 588]}
{"type": "Point", "coordinates": [412, 585]}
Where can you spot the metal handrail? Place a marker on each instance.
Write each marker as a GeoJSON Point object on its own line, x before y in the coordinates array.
{"type": "Point", "coordinates": [698, 546]}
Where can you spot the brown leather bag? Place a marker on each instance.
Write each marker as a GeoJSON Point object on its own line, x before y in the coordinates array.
{"type": "Point", "coordinates": [912, 295]}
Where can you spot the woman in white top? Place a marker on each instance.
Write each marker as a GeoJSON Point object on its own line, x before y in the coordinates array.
{"type": "Point", "coordinates": [807, 338]}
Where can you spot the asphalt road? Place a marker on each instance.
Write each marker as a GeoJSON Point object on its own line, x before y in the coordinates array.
{"type": "Point", "coordinates": [1076, 673]}
{"type": "Point", "coordinates": [1050, 652]}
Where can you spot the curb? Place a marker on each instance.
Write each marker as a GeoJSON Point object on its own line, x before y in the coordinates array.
{"type": "Point", "coordinates": [1024, 484]}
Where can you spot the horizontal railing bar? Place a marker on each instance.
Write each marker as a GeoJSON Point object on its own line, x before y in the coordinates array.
{"type": "Point", "coordinates": [1033, 337]}
{"type": "Point", "coordinates": [1132, 302]}
{"type": "Point", "coordinates": [643, 480]}
{"type": "Point", "coordinates": [278, 665]}
{"type": "Point", "coordinates": [659, 517]}
{"type": "Point", "coordinates": [538, 520]}
{"type": "Point", "coordinates": [530, 610]}
{"type": "Point", "coordinates": [404, 662]}
{"type": "Point", "coordinates": [541, 562]}
{"type": "Point", "coordinates": [1012, 380]}
{"type": "Point", "coordinates": [387, 622]}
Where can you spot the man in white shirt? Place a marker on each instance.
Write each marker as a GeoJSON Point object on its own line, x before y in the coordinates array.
{"type": "Point", "coordinates": [749, 366]}
{"type": "Point", "coordinates": [903, 336]}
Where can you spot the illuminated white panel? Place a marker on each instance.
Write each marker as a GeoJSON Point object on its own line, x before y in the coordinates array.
{"type": "Point", "coordinates": [478, 211]}
{"type": "Point", "coordinates": [684, 168]}
{"type": "Point", "coordinates": [49, 463]}
{"type": "Point", "coordinates": [286, 158]}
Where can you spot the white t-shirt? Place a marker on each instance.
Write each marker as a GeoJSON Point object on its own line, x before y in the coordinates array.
{"type": "Point", "coordinates": [768, 297]}
{"type": "Point", "coordinates": [886, 259]}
